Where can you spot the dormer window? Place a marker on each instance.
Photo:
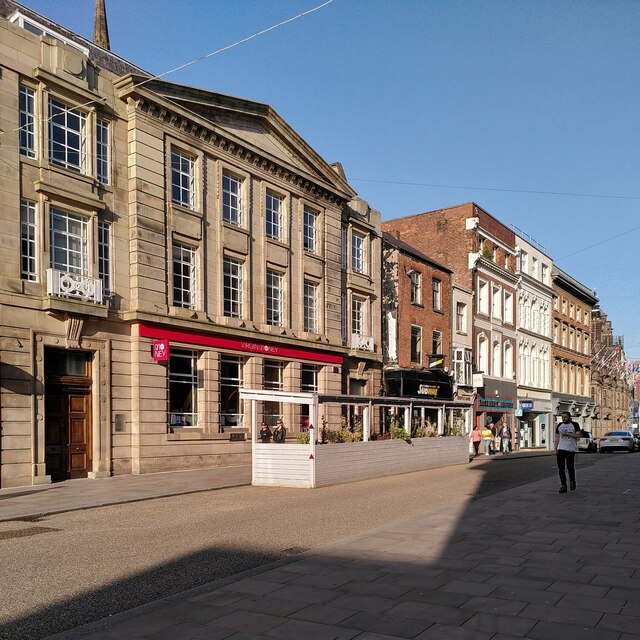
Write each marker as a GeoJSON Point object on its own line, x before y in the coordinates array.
{"type": "Point", "coordinates": [29, 24]}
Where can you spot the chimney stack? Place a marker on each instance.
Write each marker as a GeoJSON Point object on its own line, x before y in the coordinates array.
{"type": "Point", "coordinates": [100, 29]}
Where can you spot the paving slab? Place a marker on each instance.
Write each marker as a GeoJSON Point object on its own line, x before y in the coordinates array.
{"type": "Point", "coordinates": [429, 578]}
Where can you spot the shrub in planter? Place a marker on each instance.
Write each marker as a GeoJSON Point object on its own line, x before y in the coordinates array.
{"type": "Point", "coordinates": [400, 434]}
{"type": "Point", "coordinates": [303, 438]}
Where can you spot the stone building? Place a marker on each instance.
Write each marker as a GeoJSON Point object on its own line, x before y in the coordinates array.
{"type": "Point", "coordinates": [535, 302]}
{"type": "Point", "coordinates": [163, 246]}
{"type": "Point", "coordinates": [480, 251]}
{"type": "Point", "coordinates": [416, 312]}
{"type": "Point", "coordinates": [609, 385]}
{"type": "Point", "coordinates": [573, 303]}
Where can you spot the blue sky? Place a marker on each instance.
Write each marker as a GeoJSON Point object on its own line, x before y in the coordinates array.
{"type": "Point", "coordinates": [496, 98]}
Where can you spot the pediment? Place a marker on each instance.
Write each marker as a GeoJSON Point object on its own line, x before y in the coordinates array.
{"type": "Point", "coordinates": [258, 127]}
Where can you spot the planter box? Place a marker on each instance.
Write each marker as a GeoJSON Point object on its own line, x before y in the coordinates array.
{"type": "Point", "coordinates": [292, 465]}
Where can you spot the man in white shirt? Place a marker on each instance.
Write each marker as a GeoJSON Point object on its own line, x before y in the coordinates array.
{"type": "Point", "coordinates": [567, 434]}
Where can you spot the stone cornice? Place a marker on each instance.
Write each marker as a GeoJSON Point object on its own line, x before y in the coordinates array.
{"type": "Point", "coordinates": [188, 123]}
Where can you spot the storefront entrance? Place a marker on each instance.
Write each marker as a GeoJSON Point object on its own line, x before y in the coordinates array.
{"type": "Point", "coordinates": [67, 414]}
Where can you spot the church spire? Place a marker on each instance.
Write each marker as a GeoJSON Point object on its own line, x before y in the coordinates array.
{"type": "Point", "coordinates": [100, 29]}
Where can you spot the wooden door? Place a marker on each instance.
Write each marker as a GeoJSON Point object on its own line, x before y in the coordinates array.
{"type": "Point", "coordinates": [68, 432]}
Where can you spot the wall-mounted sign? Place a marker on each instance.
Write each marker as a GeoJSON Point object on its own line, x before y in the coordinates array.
{"type": "Point", "coordinates": [160, 350]}
{"type": "Point", "coordinates": [526, 405]}
{"type": "Point", "coordinates": [427, 390]}
{"type": "Point", "coordinates": [495, 404]}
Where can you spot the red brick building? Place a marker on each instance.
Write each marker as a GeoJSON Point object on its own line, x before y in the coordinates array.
{"type": "Point", "coordinates": [480, 251]}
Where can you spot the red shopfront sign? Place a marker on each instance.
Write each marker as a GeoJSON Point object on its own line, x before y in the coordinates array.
{"type": "Point", "coordinates": [160, 350]}
{"type": "Point", "coordinates": [160, 334]}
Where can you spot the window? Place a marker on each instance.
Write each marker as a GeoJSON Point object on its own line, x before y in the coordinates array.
{"type": "Point", "coordinates": [544, 273]}
{"type": "Point", "coordinates": [462, 367]}
{"type": "Point", "coordinates": [507, 367]}
{"type": "Point", "coordinates": [358, 316]}
{"type": "Point", "coordinates": [564, 306]}
{"type": "Point", "coordinates": [183, 388]}
{"type": "Point", "coordinates": [308, 384]}
{"type": "Point", "coordinates": [273, 381]}
{"type": "Point", "coordinates": [496, 302]}
{"type": "Point", "coordinates": [233, 288]}
{"type": "Point", "coordinates": [343, 318]}
{"type": "Point", "coordinates": [534, 267]}
{"type": "Point", "coordinates": [416, 344]}
{"type": "Point", "coordinates": [524, 262]}
{"type": "Point", "coordinates": [483, 297]}
{"type": "Point", "coordinates": [35, 27]}
{"type": "Point", "coordinates": [28, 246]}
{"type": "Point", "coordinates": [483, 354]}
{"type": "Point", "coordinates": [461, 317]}
{"type": "Point", "coordinates": [571, 310]}
{"type": "Point", "coordinates": [69, 242]}
{"type": "Point", "coordinates": [496, 364]}
{"type": "Point", "coordinates": [231, 199]}
{"type": "Point", "coordinates": [231, 411]}
{"type": "Point", "coordinates": [436, 343]}
{"type": "Point", "coordinates": [508, 307]}
{"type": "Point", "coordinates": [436, 293]}
{"type": "Point", "coordinates": [564, 335]}
{"type": "Point", "coordinates": [184, 276]}
{"type": "Point", "coordinates": [102, 151]}
{"type": "Point", "coordinates": [67, 137]}
{"type": "Point", "coordinates": [310, 320]}
{"type": "Point", "coordinates": [556, 332]}
{"type": "Point", "coordinates": [104, 256]}
{"type": "Point", "coordinates": [27, 100]}
{"type": "Point", "coordinates": [310, 230]}
{"type": "Point", "coordinates": [274, 211]}
{"type": "Point", "coordinates": [183, 179]}
{"type": "Point", "coordinates": [358, 252]}
{"type": "Point", "coordinates": [415, 280]}
{"type": "Point", "coordinates": [275, 298]}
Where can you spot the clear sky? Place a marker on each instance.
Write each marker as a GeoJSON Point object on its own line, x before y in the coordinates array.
{"type": "Point", "coordinates": [488, 101]}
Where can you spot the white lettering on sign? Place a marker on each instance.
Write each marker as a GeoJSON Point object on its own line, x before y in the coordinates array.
{"type": "Point", "coordinates": [264, 348]}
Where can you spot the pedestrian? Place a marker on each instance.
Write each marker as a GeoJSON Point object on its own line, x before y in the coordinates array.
{"type": "Point", "coordinates": [279, 433]}
{"type": "Point", "coordinates": [505, 437]}
{"type": "Point", "coordinates": [567, 434]}
{"type": "Point", "coordinates": [475, 437]}
{"type": "Point", "coordinates": [487, 438]}
{"type": "Point", "coordinates": [265, 432]}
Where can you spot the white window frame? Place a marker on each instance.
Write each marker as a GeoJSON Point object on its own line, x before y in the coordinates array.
{"type": "Point", "coordinates": [310, 229]}
{"type": "Point", "coordinates": [310, 307]}
{"type": "Point", "coordinates": [27, 133]}
{"type": "Point", "coordinates": [436, 339]}
{"type": "Point", "coordinates": [358, 252]}
{"type": "Point", "coordinates": [483, 297]}
{"type": "Point", "coordinates": [274, 215]}
{"type": "Point", "coordinates": [62, 123]}
{"type": "Point", "coordinates": [275, 298]}
{"type": "Point", "coordinates": [359, 315]}
{"type": "Point", "coordinates": [496, 359]}
{"type": "Point", "coordinates": [69, 234]}
{"type": "Point", "coordinates": [508, 307]}
{"type": "Point", "coordinates": [436, 294]}
{"type": "Point", "coordinates": [28, 241]}
{"type": "Point", "coordinates": [461, 318]}
{"type": "Point", "coordinates": [104, 257]}
{"type": "Point", "coordinates": [232, 198]}
{"type": "Point", "coordinates": [184, 268]}
{"type": "Point", "coordinates": [496, 302]}
{"type": "Point", "coordinates": [483, 354]}
{"type": "Point", "coordinates": [183, 178]}
{"type": "Point", "coordinates": [507, 364]}
{"type": "Point", "coordinates": [233, 287]}
{"type": "Point", "coordinates": [415, 284]}
{"type": "Point", "coordinates": [31, 25]}
{"type": "Point", "coordinates": [462, 366]}
{"type": "Point", "coordinates": [103, 151]}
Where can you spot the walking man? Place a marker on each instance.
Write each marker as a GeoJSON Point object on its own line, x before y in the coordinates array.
{"type": "Point", "coordinates": [567, 434]}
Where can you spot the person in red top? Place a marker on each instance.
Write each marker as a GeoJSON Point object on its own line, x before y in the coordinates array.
{"type": "Point", "coordinates": [476, 437]}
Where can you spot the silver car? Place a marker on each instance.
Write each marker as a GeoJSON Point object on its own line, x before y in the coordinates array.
{"type": "Point", "coordinates": [586, 442]}
{"type": "Point", "coordinates": [617, 440]}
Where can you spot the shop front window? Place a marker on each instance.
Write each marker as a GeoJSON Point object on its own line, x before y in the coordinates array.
{"type": "Point", "coordinates": [230, 383]}
{"type": "Point", "coordinates": [183, 389]}
{"type": "Point", "coordinates": [273, 381]}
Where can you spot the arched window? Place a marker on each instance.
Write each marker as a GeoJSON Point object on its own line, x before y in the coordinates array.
{"type": "Point", "coordinates": [507, 366]}
{"type": "Point", "coordinates": [483, 354]}
{"type": "Point", "coordinates": [496, 364]}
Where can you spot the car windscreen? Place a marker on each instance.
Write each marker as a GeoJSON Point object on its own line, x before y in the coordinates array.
{"type": "Point", "coordinates": [617, 433]}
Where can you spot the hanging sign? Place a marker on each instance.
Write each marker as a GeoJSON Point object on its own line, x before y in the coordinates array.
{"type": "Point", "coordinates": [160, 350]}
{"type": "Point", "coordinates": [526, 405]}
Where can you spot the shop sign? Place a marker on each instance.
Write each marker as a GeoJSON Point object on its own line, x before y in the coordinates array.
{"type": "Point", "coordinates": [495, 404]}
{"type": "Point", "coordinates": [526, 405]}
{"type": "Point", "coordinates": [160, 350]}
{"type": "Point", "coordinates": [518, 413]}
{"type": "Point", "coordinates": [427, 390]}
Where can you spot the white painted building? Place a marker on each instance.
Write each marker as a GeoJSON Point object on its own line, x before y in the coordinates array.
{"type": "Point", "coordinates": [534, 338]}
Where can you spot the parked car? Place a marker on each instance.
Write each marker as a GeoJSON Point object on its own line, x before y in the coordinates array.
{"type": "Point", "coordinates": [587, 443]}
{"type": "Point", "coordinates": [617, 440]}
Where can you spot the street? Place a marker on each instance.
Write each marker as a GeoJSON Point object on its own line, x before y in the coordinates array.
{"type": "Point", "coordinates": [69, 569]}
